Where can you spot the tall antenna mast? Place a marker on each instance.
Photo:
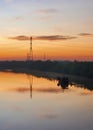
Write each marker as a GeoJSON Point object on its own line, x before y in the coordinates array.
{"type": "Point", "coordinates": [30, 53]}
{"type": "Point", "coordinates": [30, 44]}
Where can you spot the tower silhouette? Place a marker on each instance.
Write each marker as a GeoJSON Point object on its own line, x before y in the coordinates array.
{"type": "Point", "coordinates": [30, 53]}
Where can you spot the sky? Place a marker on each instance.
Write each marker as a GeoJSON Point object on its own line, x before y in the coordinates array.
{"type": "Point", "coordinates": [60, 29]}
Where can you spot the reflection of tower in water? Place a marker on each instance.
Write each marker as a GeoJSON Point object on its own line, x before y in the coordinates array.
{"type": "Point", "coordinates": [30, 78]}
{"type": "Point", "coordinates": [30, 58]}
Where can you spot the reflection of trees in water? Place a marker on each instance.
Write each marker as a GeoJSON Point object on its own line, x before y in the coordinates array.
{"type": "Point", "coordinates": [64, 82]}
{"type": "Point", "coordinates": [73, 80]}
{"type": "Point", "coordinates": [84, 83]}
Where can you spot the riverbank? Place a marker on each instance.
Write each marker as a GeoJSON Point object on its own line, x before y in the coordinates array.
{"type": "Point", "coordinates": [84, 82]}
{"type": "Point", "coordinates": [79, 81]}
{"type": "Point", "coordinates": [81, 69]}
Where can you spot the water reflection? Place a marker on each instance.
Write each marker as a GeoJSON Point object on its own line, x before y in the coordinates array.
{"type": "Point", "coordinates": [24, 83]}
{"type": "Point", "coordinates": [30, 78]}
{"type": "Point", "coordinates": [50, 108]}
{"type": "Point", "coordinates": [63, 82]}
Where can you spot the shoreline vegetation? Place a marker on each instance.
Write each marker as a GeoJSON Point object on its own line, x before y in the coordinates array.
{"type": "Point", "coordinates": [82, 69]}
{"type": "Point", "coordinates": [77, 72]}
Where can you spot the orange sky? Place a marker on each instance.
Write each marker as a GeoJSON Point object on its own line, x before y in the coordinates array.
{"type": "Point", "coordinates": [61, 30]}
{"type": "Point", "coordinates": [73, 49]}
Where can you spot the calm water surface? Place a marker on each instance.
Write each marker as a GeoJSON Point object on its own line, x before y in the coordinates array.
{"type": "Point", "coordinates": [31, 103]}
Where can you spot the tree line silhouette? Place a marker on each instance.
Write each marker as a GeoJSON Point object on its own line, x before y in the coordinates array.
{"type": "Point", "coordinates": [84, 69]}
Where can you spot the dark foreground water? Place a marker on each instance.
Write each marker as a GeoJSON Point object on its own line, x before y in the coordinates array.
{"type": "Point", "coordinates": [31, 103]}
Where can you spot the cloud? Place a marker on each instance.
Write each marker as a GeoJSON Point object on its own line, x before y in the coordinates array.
{"type": "Point", "coordinates": [20, 38]}
{"type": "Point", "coordinates": [48, 11]}
{"type": "Point", "coordinates": [85, 93]}
{"type": "Point", "coordinates": [54, 37]}
{"type": "Point", "coordinates": [86, 34]}
{"type": "Point", "coordinates": [47, 14]}
{"type": "Point", "coordinates": [46, 18]}
{"type": "Point", "coordinates": [44, 38]}
{"type": "Point", "coordinates": [41, 90]}
{"type": "Point", "coordinates": [18, 18]}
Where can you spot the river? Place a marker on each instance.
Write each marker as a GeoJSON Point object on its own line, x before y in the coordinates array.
{"type": "Point", "coordinates": [28, 102]}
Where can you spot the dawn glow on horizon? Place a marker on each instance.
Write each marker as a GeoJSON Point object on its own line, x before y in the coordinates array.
{"type": "Point", "coordinates": [60, 29]}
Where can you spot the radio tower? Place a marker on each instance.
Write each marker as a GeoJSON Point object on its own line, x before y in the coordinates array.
{"type": "Point", "coordinates": [31, 51]}
{"type": "Point", "coordinates": [30, 54]}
